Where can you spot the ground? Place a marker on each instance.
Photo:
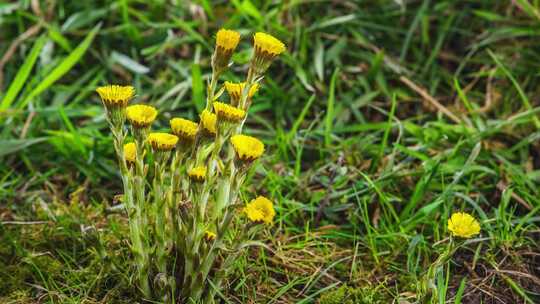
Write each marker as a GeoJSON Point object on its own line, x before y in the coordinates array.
{"type": "Point", "coordinates": [382, 119]}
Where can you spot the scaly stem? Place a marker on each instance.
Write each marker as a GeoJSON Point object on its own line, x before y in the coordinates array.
{"type": "Point", "coordinates": [140, 205]}
{"type": "Point", "coordinates": [211, 90]}
{"type": "Point", "coordinates": [160, 215]}
{"type": "Point", "coordinates": [175, 194]}
{"type": "Point", "coordinates": [194, 235]}
{"type": "Point", "coordinates": [131, 208]}
{"type": "Point", "coordinates": [160, 211]}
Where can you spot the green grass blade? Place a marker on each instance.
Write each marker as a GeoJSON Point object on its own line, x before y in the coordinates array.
{"type": "Point", "coordinates": [520, 91]}
{"type": "Point", "coordinates": [63, 67]}
{"type": "Point", "coordinates": [197, 85]}
{"type": "Point", "coordinates": [23, 73]}
{"type": "Point", "coordinates": [329, 122]}
{"type": "Point", "coordinates": [10, 146]}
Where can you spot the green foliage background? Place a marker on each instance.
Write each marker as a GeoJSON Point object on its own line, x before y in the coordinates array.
{"type": "Point", "coordinates": [382, 119]}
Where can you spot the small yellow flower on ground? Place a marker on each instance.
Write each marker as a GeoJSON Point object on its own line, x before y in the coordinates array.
{"type": "Point", "coordinates": [115, 95]}
{"type": "Point", "coordinates": [141, 116]}
{"type": "Point", "coordinates": [463, 225]}
{"type": "Point", "coordinates": [209, 235]}
{"type": "Point", "coordinates": [130, 152]}
{"type": "Point", "coordinates": [197, 174]}
{"type": "Point", "coordinates": [162, 141]}
{"type": "Point", "coordinates": [208, 121]}
{"type": "Point", "coordinates": [235, 90]}
{"type": "Point", "coordinates": [184, 129]}
{"type": "Point", "coordinates": [228, 113]}
{"type": "Point", "coordinates": [260, 209]}
{"type": "Point", "coordinates": [247, 148]}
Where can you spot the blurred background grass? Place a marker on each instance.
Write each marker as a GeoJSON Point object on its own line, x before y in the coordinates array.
{"type": "Point", "coordinates": [381, 119]}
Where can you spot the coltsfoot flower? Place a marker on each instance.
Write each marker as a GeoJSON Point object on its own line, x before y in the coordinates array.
{"type": "Point", "coordinates": [463, 225]}
{"type": "Point", "coordinates": [247, 148]}
{"type": "Point", "coordinates": [197, 174]}
{"type": "Point", "coordinates": [162, 141]}
{"type": "Point", "coordinates": [141, 116]}
{"type": "Point", "coordinates": [209, 235]}
{"type": "Point", "coordinates": [208, 122]}
{"type": "Point", "coordinates": [227, 39]}
{"type": "Point", "coordinates": [267, 47]}
{"type": "Point", "coordinates": [185, 129]}
{"type": "Point", "coordinates": [260, 209]}
{"type": "Point", "coordinates": [115, 96]}
{"type": "Point", "coordinates": [226, 43]}
{"type": "Point", "coordinates": [130, 152]}
{"type": "Point", "coordinates": [228, 113]}
{"type": "Point", "coordinates": [235, 91]}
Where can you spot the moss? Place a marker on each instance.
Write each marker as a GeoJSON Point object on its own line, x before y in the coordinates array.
{"type": "Point", "coordinates": [17, 297]}
{"type": "Point", "coordinates": [352, 295]}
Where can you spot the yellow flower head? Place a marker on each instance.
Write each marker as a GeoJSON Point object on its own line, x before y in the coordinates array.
{"type": "Point", "coordinates": [209, 235]}
{"type": "Point", "coordinates": [227, 39]}
{"type": "Point", "coordinates": [268, 45]}
{"type": "Point", "coordinates": [197, 174]}
{"type": "Point", "coordinates": [226, 42]}
{"type": "Point", "coordinates": [130, 152]}
{"type": "Point", "coordinates": [266, 49]}
{"type": "Point", "coordinates": [115, 95]}
{"type": "Point", "coordinates": [247, 148]}
{"type": "Point", "coordinates": [260, 209]}
{"type": "Point", "coordinates": [141, 116]}
{"type": "Point", "coordinates": [235, 90]}
{"type": "Point", "coordinates": [184, 129]}
{"type": "Point", "coordinates": [162, 141]}
{"type": "Point", "coordinates": [463, 225]}
{"type": "Point", "coordinates": [228, 113]}
{"type": "Point", "coordinates": [208, 121]}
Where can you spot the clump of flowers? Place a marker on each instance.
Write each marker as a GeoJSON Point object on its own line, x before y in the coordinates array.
{"type": "Point", "coordinates": [186, 223]}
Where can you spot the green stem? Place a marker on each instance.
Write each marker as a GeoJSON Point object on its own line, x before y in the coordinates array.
{"type": "Point", "coordinates": [160, 215]}
{"type": "Point", "coordinates": [131, 208]}
{"type": "Point", "coordinates": [429, 280]}
{"type": "Point", "coordinates": [140, 219]}
{"type": "Point", "coordinates": [211, 90]}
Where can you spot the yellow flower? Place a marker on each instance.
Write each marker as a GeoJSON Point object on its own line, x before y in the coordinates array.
{"type": "Point", "coordinates": [226, 42]}
{"type": "Point", "coordinates": [130, 152]}
{"type": "Point", "coordinates": [162, 141]}
{"type": "Point", "coordinates": [227, 39]}
{"type": "Point", "coordinates": [266, 49]}
{"type": "Point", "coordinates": [141, 116]}
{"type": "Point", "coordinates": [235, 90]}
{"type": "Point", "coordinates": [463, 225]}
{"type": "Point", "coordinates": [260, 209]}
{"type": "Point", "coordinates": [184, 129]}
{"type": "Point", "coordinates": [209, 235]}
{"type": "Point", "coordinates": [228, 113]}
{"type": "Point", "coordinates": [197, 174]}
{"type": "Point", "coordinates": [208, 121]}
{"type": "Point", "coordinates": [268, 45]}
{"type": "Point", "coordinates": [115, 95]}
{"type": "Point", "coordinates": [247, 148]}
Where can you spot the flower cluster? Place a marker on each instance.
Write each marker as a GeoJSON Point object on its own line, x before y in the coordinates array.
{"type": "Point", "coordinates": [186, 221]}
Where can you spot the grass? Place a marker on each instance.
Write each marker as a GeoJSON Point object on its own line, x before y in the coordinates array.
{"type": "Point", "coordinates": [383, 118]}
